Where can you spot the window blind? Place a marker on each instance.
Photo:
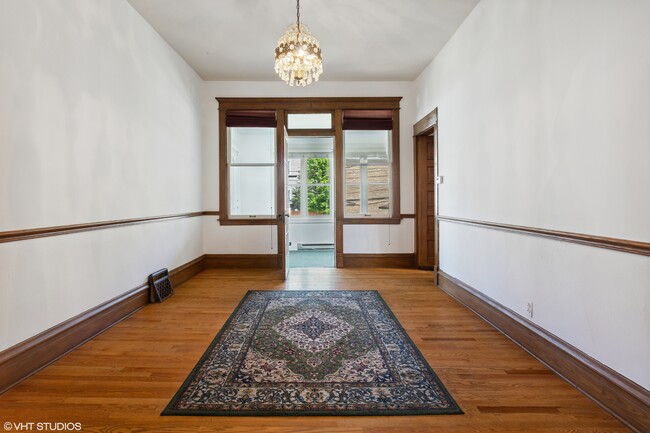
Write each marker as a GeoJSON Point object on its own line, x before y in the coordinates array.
{"type": "Point", "coordinates": [251, 118]}
{"type": "Point", "coordinates": [368, 120]}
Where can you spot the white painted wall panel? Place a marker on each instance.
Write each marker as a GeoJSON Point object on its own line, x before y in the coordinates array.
{"type": "Point", "coordinates": [218, 239]}
{"type": "Point", "coordinates": [46, 281]}
{"type": "Point", "coordinates": [99, 117]}
{"type": "Point", "coordinates": [590, 297]}
{"type": "Point", "coordinates": [543, 111]}
{"type": "Point", "coordinates": [99, 120]}
{"type": "Point", "coordinates": [388, 238]}
{"type": "Point", "coordinates": [314, 232]}
{"type": "Point", "coordinates": [543, 122]}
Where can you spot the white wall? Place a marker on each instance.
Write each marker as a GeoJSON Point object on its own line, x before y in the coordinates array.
{"type": "Point", "coordinates": [99, 120]}
{"type": "Point", "coordinates": [220, 239]}
{"type": "Point", "coordinates": [314, 231]}
{"type": "Point", "coordinates": [217, 239]}
{"type": "Point", "coordinates": [375, 239]}
{"type": "Point", "coordinates": [543, 110]}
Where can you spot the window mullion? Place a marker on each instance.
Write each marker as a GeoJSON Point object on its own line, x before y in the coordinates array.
{"type": "Point", "coordinates": [331, 185]}
{"type": "Point", "coordinates": [363, 173]}
{"type": "Point", "coordinates": [303, 187]}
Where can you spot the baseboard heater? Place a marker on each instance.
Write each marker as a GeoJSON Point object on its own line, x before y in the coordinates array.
{"type": "Point", "coordinates": [315, 246]}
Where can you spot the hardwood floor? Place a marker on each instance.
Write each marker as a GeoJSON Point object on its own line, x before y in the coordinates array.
{"type": "Point", "coordinates": [120, 381]}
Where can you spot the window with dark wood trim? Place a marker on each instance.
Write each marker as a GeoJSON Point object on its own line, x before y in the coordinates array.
{"type": "Point", "coordinates": [368, 171]}
{"type": "Point", "coordinates": [348, 114]}
{"type": "Point", "coordinates": [251, 163]}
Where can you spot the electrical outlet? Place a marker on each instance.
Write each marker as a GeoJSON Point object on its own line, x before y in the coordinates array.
{"type": "Point", "coordinates": [529, 309]}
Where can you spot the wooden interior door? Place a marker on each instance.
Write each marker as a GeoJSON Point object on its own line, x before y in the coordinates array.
{"type": "Point", "coordinates": [425, 172]}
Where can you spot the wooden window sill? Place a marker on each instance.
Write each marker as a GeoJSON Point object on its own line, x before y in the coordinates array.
{"type": "Point", "coordinates": [248, 222]}
{"type": "Point", "coordinates": [371, 220]}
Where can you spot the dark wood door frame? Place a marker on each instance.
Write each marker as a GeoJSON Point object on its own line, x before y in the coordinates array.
{"type": "Point", "coordinates": [425, 135]}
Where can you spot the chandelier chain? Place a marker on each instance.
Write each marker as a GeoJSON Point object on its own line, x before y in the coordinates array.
{"type": "Point", "coordinates": [298, 15]}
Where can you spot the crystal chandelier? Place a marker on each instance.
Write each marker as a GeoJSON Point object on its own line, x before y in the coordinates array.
{"type": "Point", "coordinates": [298, 55]}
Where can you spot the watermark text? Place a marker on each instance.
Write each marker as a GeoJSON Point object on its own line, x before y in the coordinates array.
{"type": "Point", "coordinates": [42, 426]}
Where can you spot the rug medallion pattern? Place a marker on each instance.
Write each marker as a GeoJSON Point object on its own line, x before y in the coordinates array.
{"type": "Point", "coordinates": [312, 353]}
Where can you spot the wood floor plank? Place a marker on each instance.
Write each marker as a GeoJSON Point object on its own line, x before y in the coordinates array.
{"type": "Point", "coordinates": [120, 381]}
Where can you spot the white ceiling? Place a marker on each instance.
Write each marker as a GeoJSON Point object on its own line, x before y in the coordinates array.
{"type": "Point", "coordinates": [362, 40]}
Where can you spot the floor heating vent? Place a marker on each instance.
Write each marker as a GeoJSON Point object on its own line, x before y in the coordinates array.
{"type": "Point", "coordinates": [160, 286]}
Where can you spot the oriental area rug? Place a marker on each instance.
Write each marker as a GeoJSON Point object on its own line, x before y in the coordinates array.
{"type": "Point", "coordinates": [312, 353]}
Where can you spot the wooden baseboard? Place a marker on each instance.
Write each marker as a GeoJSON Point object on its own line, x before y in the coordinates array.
{"type": "Point", "coordinates": [623, 398]}
{"type": "Point", "coordinates": [24, 359]}
{"type": "Point", "coordinates": [378, 260]}
{"type": "Point", "coordinates": [183, 273]}
{"type": "Point", "coordinates": [237, 261]}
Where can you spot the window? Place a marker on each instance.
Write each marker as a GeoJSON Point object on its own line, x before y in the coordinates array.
{"type": "Point", "coordinates": [358, 157]}
{"type": "Point", "coordinates": [251, 161]}
{"type": "Point", "coordinates": [310, 176]}
{"type": "Point", "coordinates": [309, 186]}
{"type": "Point", "coordinates": [309, 121]}
{"type": "Point", "coordinates": [368, 161]}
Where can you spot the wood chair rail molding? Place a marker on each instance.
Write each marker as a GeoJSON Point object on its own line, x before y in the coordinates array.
{"type": "Point", "coordinates": [624, 245]}
{"type": "Point", "coordinates": [41, 232]}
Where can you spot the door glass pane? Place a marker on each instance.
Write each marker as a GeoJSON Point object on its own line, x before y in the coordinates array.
{"type": "Point", "coordinates": [309, 121]}
{"type": "Point", "coordinates": [352, 199]}
{"type": "Point", "coordinates": [378, 202]}
{"type": "Point", "coordinates": [318, 200]}
{"type": "Point", "coordinates": [251, 145]}
{"type": "Point", "coordinates": [318, 170]}
{"type": "Point", "coordinates": [293, 185]}
{"type": "Point", "coordinates": [252, 190]}
{"type": "Point", "coordinates": [293, 197]}
{"type": "Point", "coordinates": [295, 168]}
